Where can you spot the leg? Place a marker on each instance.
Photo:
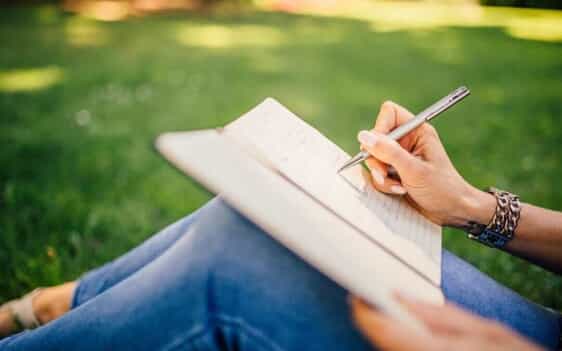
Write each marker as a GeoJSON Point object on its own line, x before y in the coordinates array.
{"type": "Point", "coordinates": [54, 301]}
{"type": "Point", "coordinates": [98, 280]}
{"type": "Point", "coordinates": [477, 292]}
{"type": "Point", "coordinates": [462, 283]}
{"type": "Point", "coordinates": [225, 285]}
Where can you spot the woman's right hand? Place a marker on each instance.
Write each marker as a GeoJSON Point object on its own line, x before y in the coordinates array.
{"type": "Point", "coordinates": [427, 176]}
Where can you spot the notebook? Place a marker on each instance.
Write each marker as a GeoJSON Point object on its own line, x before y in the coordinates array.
{"type": "Point", "coordinates": [281, 173]}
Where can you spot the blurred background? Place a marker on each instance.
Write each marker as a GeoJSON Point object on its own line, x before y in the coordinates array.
{"type": "Point", "coordinates": [86, 86]}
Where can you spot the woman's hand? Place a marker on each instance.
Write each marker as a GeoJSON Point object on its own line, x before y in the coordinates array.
{"type": "Point", "coordinates": [450, 328]}
{"type": "Point", "coordinates": [426, 175]}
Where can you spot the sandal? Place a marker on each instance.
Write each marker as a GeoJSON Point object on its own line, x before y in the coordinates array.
{"type": "Point", "coordinates": [22, 313]}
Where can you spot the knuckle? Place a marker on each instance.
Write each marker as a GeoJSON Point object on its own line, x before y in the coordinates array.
{"type": "Point", "coordinates": [387, 104]}
{"type": "Point", "coordinates": [418, 172]}
{"type": "Point", "coordinates": [430, 130]}
{"type": "Point", "coordinates": [389, 150]}
{"type": "Point", "coordinates": [424, 169]}
{"type": "Point", "coordinates": [417, 168]}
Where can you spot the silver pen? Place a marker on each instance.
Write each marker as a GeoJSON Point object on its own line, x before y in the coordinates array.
{"type": "Point", "coordinates": [422, 117]}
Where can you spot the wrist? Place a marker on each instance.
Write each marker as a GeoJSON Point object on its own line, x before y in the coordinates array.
{"type": "Point", "coordinates": [474, 205]}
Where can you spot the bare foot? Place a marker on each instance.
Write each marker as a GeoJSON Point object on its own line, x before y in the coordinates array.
{"type": "Point", "coordinates": [49, 303]}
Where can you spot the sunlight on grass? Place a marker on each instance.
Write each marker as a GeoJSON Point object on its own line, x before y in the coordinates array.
{"type": "Point", "coordinates": [217, 36]}
{"type": "Point", "coordinates": [81, 32]}
{"type": "Point", "coordinates": [104, 10]}
{"type": "Point", "coordinates": [544, 25]}
{"type": "Point", "coordinates": [100, 189]}
{"type": "Point", "coordinates": [31, 79]}
{"type": "Point", "coordinates": [545, 29]}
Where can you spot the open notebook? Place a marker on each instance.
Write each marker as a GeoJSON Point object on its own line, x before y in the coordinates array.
{"type": "Point", "coordinates": [281, 173]}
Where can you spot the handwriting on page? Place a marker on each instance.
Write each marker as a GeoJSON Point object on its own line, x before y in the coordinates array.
{"type": "Point", "coordinates": [311, 160]}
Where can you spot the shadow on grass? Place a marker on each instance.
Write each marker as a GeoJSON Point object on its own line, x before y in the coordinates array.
{"type": "Point", "coordinates": [81, 183]}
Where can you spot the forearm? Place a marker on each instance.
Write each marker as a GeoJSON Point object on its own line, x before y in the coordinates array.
{"type": "Point", "coordinates": [538, 237]}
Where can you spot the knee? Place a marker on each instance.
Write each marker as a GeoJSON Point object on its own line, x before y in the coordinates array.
{"type": "Point", "coordinates": [244, 260]}
{"type": "Point", "coordinates": [220, 228]}
{"type": "Point", "coordinates": [245, 275]}
{"type": "Point", "coordinates": [235, 252]}
{"type": "Point", "coordinates": [223, 242]}
{"type": "Point", "coordinates": [222, 214]}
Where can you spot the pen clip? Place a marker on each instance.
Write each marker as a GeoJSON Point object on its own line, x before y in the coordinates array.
{"type": "Point", "coordinates": [446, 102]}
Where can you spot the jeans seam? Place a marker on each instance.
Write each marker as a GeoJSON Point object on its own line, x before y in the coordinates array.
{"type": "Point", "coordinates": [225, 321]}
{"type": "Point", "coordinates": [249, 331]}
{"type": "Point", "coordinates": [189, 338]}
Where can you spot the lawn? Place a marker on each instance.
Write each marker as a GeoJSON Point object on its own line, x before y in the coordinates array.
{"type": "Point", "coordinates": [81, 102]}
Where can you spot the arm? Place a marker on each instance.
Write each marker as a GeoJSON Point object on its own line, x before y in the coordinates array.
{"type": "Point", "coordinates": [431, 184]}
{"type": "Point", "coordinates": [538, 237]}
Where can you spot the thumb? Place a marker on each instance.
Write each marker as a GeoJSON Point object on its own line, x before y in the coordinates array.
{"type": "Point", "coordinates": [390, 152]}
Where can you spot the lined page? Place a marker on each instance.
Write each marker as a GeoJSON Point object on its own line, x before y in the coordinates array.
{"type": "Point", "coordinates": [309, 159]}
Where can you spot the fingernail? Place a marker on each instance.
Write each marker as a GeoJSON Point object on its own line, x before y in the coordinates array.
{"type": "Point", "coordinates": [377, 176]}
{"type": "Point", "coordinates": [397, 189]}
{"type": "Point", "coordinates": [367, 138]}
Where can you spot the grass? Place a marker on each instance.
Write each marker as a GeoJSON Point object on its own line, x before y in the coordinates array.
{"type": "Point", "coordinates": [82, 101]}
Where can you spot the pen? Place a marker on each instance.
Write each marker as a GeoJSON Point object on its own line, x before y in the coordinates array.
{"type": "Point", "coordinates": [424, 116]}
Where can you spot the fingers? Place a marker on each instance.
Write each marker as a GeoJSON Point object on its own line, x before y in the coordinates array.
{"type": "Point", "coordinates": [381, 179]}
{"type": "Point", "coordinates": [390, 116]}
{"type": "Point", "coordinates": [386, 332]}
{"type": "Point", "coordinates": [390, 152]}
{"type": "Point", "coordinates": [379, 171]}
{"type": "Point", "coordinates": [447, 319]}
{"type": "Point", "coordinates": [458, 329]}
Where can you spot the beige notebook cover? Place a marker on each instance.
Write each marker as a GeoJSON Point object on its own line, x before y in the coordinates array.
{"type": "Point", "coordinates": [281, 173]}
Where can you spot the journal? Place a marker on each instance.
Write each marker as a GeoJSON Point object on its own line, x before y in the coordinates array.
{"type": "Point", "coordinates": [281, 173]}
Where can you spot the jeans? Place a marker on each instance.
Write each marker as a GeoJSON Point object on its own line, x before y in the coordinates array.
{"type": "Point", "coordinates": [214, 280]}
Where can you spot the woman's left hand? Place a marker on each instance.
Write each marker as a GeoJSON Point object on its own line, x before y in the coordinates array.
{"type": "Point", "coordinates": [450, 328]}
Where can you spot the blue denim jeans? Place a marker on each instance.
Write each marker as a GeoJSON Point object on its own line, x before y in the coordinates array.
{"type": "Point", "coordinates": [214, 281]}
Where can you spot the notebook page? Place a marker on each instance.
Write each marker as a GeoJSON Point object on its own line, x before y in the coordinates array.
{"type": "Point", "coordinates": [310, 160]}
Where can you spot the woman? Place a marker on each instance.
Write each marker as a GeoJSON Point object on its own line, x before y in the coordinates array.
{"type": "Point", "coordinates": [214, 280]}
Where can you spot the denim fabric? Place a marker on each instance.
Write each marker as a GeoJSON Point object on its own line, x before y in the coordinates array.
{"type": "Point", "coordinates": [214, 281]}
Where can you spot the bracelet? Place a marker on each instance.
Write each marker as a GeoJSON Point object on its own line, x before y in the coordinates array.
{"type": "Point", "coordinates": [509, 208]}
{"type": "Point", "coordinates": [503, 224]}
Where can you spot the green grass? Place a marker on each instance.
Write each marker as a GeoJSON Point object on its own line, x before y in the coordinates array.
{"type": "Point", "coordinates": [82, 101]}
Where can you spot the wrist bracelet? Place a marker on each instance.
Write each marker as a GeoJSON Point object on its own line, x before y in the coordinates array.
{"type": "Point", "coordinates": [503, 224]}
